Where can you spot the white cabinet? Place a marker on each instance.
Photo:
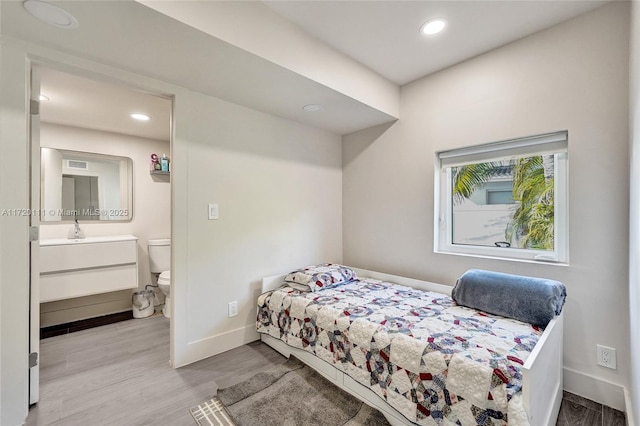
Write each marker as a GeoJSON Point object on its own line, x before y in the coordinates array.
{"type": "Point", "coordinates": [76, 268]}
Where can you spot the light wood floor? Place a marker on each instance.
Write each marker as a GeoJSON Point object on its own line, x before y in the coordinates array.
{"type": "Point", "coordinates": [119, 374]}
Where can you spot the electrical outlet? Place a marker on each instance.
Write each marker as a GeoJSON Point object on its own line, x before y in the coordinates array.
{"type": "Point", "coordinates": [606, 356]}
{"type": "Point", "coordinates": [233, 309]}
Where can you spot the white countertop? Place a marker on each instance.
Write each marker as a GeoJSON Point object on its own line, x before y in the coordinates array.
{"type": "Point", "coordinates": [87, 240]}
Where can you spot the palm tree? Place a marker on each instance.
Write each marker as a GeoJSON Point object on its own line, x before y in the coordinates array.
{"type": "Point", "coordinates": [533, 183]}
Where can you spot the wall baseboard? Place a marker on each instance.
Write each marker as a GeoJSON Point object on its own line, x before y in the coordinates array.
{"type": "Point", "coordinates": [213, 345]}
{"type": "Point", "coordinates": [70, 327]}
{"type": "Point", "coordinates": [595, 389]}
{"type": "Point", "coordinates": [629, 416]}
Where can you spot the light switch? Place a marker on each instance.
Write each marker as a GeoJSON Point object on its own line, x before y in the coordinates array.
{"type": "Point", "coordinates": [213, 211]}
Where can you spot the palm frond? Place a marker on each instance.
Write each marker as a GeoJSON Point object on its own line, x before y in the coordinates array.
{"type": "Point", "coordinates": [468, 178]}
{"type": "Point", "coordinates": [533, 221]}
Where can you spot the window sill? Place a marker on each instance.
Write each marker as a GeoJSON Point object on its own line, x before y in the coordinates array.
{"type": "Point", "coordinates": [508, 259]}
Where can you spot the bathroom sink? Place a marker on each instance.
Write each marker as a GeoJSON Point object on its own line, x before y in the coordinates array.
{"type": "Point", "coordinates": [87, 240]}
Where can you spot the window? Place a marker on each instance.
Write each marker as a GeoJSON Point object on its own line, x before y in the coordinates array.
{"type": "Point", "coordinates": [504, 196]}
{"type": "Point", "coordinates": [505, 199]}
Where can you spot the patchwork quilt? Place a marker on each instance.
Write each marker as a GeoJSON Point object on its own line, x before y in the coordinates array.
{"type": "Point", "coordinates": [435, 362]}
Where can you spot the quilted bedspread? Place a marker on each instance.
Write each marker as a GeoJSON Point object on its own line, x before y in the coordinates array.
{"type": "Point", "coordinates": [432, 360]}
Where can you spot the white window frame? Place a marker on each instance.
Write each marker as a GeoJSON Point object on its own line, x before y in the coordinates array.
{"type": "Point", "coordinates": [550, 143]}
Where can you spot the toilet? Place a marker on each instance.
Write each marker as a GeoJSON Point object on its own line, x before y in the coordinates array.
{"type": "Point", "coordinates": [160, 265]}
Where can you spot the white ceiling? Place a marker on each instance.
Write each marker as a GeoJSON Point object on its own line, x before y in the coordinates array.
{"type": "Point", "coordinates": [383, 35]}
{"type": "Point", "coordinates": [130, 36]}
{"type": "Point", "coordinates": [80, 102]}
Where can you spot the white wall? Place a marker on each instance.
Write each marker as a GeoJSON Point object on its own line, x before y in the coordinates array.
{"type": "Point", "coordinates": [633, 402]}
{"type": "Point", "coordinates": [278, 185]}
{"type": "Point", "coordinates": [573, 76]}
{"type": "Point", "coordinates": [14, 253]}
{"type": "Point", "coordinates": [51, 173]}
{"type": "Point", "coordinates": [151, 212]}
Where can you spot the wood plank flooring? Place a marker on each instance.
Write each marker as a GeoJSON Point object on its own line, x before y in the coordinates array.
{"type": "Point", "coordinates": [119, 374]}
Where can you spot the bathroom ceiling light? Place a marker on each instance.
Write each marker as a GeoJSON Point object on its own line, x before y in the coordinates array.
{"type": "Point", "coordinates": [434, 26]}
{"type": "Point", "coordinates": [51, 14]}
{"type": "Point", "coordinates": [141, 117]}
{"type": "Point", "coordinates": [43, 98]}
{"type": "Point", "coordinates": [312, 108]}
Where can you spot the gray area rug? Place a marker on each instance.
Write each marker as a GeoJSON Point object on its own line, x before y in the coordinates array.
{"type": "Point", "coordinates": [294, 394]}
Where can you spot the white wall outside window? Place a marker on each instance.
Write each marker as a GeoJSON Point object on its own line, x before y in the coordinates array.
{"type": "Point", "coordinates": [450, 237]}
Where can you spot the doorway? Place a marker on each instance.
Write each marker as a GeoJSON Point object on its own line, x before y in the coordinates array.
{"type": "Point", "coordinates": [88, 122]}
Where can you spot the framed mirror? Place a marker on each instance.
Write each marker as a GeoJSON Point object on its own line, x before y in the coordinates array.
{"type": "Point", "coordinates": [85, 186]}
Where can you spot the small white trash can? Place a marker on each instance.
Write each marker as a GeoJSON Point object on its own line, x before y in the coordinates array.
{"type": "Point", "coordinates": [142, 303]}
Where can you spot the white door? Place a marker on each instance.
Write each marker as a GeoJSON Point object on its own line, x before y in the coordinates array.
{"type": "Point", "coordinates": [34, 325]}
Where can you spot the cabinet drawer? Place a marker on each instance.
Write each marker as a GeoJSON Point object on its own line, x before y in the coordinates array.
{"type": "Point", "coordinates": [82, 256]}
{"type": "Point", "coordinates": [85, 282]}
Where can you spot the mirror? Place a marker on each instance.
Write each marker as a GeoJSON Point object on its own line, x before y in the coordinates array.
{"type": "Point", "coordinates": [85, 186]}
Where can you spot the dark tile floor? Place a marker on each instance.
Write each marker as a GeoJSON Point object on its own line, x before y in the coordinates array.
{"type": "Point", "coordinates": [578, 411]}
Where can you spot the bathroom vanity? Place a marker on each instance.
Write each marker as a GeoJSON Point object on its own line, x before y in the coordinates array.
{"type": "Point", "coordinates": [82, 267]}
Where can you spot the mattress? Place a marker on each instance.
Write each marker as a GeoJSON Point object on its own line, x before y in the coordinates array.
{"type": "Point", "coordinates": [435, 362]}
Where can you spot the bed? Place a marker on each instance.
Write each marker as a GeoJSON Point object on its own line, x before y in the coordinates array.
{"type": "Point", "coordinates": [343, 340]}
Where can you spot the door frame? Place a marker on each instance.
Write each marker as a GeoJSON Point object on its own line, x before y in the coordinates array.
{"type": "Point", "coordinates": [34, 244]}
{"type": "Point", "coordinates": [16, 57]}
{"type": "Point", "coordinates": [90, 70]}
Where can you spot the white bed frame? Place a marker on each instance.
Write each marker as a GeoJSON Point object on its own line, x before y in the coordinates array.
{"type": "Point", "coordinates": [542, 372]}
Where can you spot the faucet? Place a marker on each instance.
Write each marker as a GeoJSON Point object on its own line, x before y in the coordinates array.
{"type": "Point", "coordinates": [77, 232]}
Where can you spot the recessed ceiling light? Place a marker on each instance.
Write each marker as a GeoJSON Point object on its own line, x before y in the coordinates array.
{"type": "Point", "coordinates": [312, 108]}
{"type": "Point", "coordinates": [434, 26]}
{"type": "Point", "coordinates": [141, 117]}
{"type": "Point", "coordinates": [51, 14]}
{"type": "Point", "coordinates": [43, 98]}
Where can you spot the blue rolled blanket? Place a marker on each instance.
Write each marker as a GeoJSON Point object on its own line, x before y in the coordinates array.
{"type": "Point", "coordinates": [532, 300]}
